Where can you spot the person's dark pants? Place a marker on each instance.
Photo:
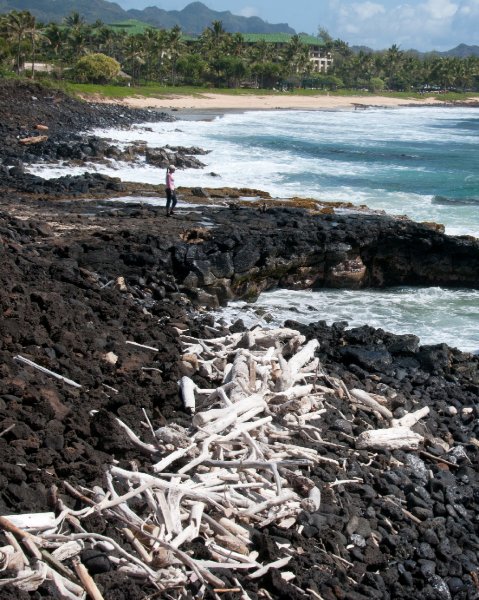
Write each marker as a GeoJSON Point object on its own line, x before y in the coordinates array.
{"type": "Point", "coordinates": [171, 200]}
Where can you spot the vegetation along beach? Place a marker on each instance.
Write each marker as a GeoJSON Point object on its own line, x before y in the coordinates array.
{"type": "Point", "coordinates": [273, 392]}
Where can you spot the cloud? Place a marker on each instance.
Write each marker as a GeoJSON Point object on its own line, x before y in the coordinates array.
{"type": "Point", "coordinates": [420, 24]}
{"type": "Point", "coordinates": [439, 9]}
{"type": "Point", "coordinates": [469, 9]}
{"type": "Point", "coordinates": [247, 11]}
{"type": "Point", "coordinates": [368, 10]}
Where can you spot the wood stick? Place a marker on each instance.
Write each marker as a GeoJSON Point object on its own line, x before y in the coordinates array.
{"type": "Point", "coordinates": [103, 538]}
{"type": "Point", "coordinates": [30, 363]}
{"type": "Point", "coordinates": [76, 494]}
{"type": "Point", "coordinates": [438, 459]}
{"type": "Point", "coordinates": [141, 346]}
{"type": "Point", "coordinates": [245, 427]}
{"type": "Point", "coordinates": [201, 419]}
{"type": "Point", "coordinates": [12, 540]}
{"type": "Point", "coordinates": [257, 508]}
{"type": "Point", "coordinates": [292, 393]}
{"type": "Point", "coordinates": [227, 530]}
{"type": "Point", "coordinates": [165, 511]}
{"type": "Point", "coordinates": [59, 566]}
{"type": "Point", "coordinates": [145, 448]}
{"type": "Point", "coordinates": [106, 504]}
{"type": "Point", "coordinates": [389, 439]}
{"type": "Point", "coordinates": [171, 458]}
{"type": "Point", "coordinates": [9, 428]}
{"type": "Point", "coordinates": [67, 589]}
{"type": "Point", "coordinates": [411, 418]}
{"type": "Point", "coordinates": [142, 478]}
{"type": "Point", "coordinates": [86, 579]}
{"type": "Point", "coordinates": [28, 540]}
{"type": "Point", "coordinates": [277, 564]}
{"type": "Point", "coordinates": [256, 464]}
{"type": "Point", "coordinates": [368, 400]}
{"type": "Point", "coordinates": [37, 521]}
{"type": "Point", "coordinates": [187, 388]}
{"type": "Point", "coordinates": [137, 545]}
{"type": "Point", "coordinates": [304, 356]}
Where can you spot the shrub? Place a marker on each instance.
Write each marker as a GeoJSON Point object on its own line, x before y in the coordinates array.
{"type": "Point", "coordinates": [96, 68]}
{"type": "Point", "coordinates": [376, 84]}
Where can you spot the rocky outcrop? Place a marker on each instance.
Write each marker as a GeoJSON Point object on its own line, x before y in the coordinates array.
{"type": "Point", "coordinates": [240, 253]}
{"type": "Point", "coordinates": [249, 252]}
{"type": "Point", "coordinates": [84, 149]}
{"type": "Point", "coordinates": [29, 110]}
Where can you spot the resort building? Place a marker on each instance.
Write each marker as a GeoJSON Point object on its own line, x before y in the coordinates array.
{"type": "Point", "coordinates": [320, 58]}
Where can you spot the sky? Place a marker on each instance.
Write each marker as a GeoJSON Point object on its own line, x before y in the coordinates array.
{"type": "Point", "coordinates": [419, 24]}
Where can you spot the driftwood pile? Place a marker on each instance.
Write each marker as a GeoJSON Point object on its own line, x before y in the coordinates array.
{"type": "Point", "coordinates": [245, 462]}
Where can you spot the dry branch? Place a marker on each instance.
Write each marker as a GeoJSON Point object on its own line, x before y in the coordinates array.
{"type": "Point", "coordinates": [30, 363]}
{"type": "Point", "coordinates": [366, 399]}
{"type": "Point", "coordinates": [389, 439]}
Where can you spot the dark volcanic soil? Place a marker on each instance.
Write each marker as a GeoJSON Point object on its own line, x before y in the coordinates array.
{"type": "Point", "coordinates": [409, 530]}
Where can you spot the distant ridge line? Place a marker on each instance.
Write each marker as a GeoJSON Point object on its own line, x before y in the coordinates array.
{"type": "Point", "coordinates": [193, 19]}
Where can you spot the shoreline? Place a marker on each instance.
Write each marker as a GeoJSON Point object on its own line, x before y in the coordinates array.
{"type": "Point", "coordinates": [110, 300]}
{"type": "Point", "coordinates": [225, 103]}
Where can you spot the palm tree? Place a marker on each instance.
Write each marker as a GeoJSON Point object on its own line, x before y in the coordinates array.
{"type": "Point", "coordinates": [74, 20]}
{"type": "Point", "coordinates": [260, 54]}
{"type": "Point", "coordinates": [192, 68]}
{"type": "Point", "coordinates": [134, 56]}
{"type": "Point", "coordinates": [175, 48]}
{"type": "Point", "coordinates": [155, 43]}
{"type": "Point", "coordinates": [292, 51]}
{"type": "Point", "coordinates": [217, 30]}
{"type": "Point", "coordinates": [392, 62]}
{"type": "Point", "coordinates": [35, 35]}
{"type": "Point", "coordinates": [57, 37]}
{"type": "Point", "coordinates": [235, 43]}
{"type": "Point", "coordinates": [17, 26]}
{"type": "Point", "coordinates": [159, 50]}
{"type": "Point", "coordinates": [262, 51]}
{"type": "Point", "coordinates": [441, 72]}
{"type": "Point", "coordinates": [326, 38]}
{"type": "Point", "coordinates": [212, 41]}
{"type": "Point", "coordinates": [78, 43]}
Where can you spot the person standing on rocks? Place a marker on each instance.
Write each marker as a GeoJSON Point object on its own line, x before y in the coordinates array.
{"type": "Point", "coordinates": [170, 190]}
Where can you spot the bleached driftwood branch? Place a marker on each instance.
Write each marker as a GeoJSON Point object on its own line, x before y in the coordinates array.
{"type": "Point", "coordinates": [389, 439]}
{"type": "Point", "coordinates": [30, 363]}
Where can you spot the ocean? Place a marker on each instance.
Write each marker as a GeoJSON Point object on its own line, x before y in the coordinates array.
{"type": "Point", "coordinates": [421, 162]}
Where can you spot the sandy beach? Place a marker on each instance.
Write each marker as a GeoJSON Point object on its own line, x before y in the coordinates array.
{"type": "Point", "coordinates": [215, 102]}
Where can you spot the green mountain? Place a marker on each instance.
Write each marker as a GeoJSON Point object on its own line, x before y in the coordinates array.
{"type": "Point", "coordinates": [55, 10]}
{"type": "Point", "coordinates": [193, 19]}
{"type": "Point", "coordinates": [462, 51]}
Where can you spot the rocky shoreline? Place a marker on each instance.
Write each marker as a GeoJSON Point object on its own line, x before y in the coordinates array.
{"type": "Point", "coordinates": [81, 279]}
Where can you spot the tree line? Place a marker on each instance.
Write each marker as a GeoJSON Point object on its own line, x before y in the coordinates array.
{"type": "Point", "coordinates": [96, 52]}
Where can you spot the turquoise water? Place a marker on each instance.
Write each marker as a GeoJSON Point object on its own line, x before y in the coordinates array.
{"type": "Point", "coordinates": [419, 162]}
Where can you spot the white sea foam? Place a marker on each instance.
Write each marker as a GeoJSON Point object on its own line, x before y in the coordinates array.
{"type": "Point", "coordinates": [278, 151]}
{"type": "Point", "coordinates": [435, 315]}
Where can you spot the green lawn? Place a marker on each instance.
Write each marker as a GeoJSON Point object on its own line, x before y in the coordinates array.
{"type": "Point", "coordinates": [159, 91]}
